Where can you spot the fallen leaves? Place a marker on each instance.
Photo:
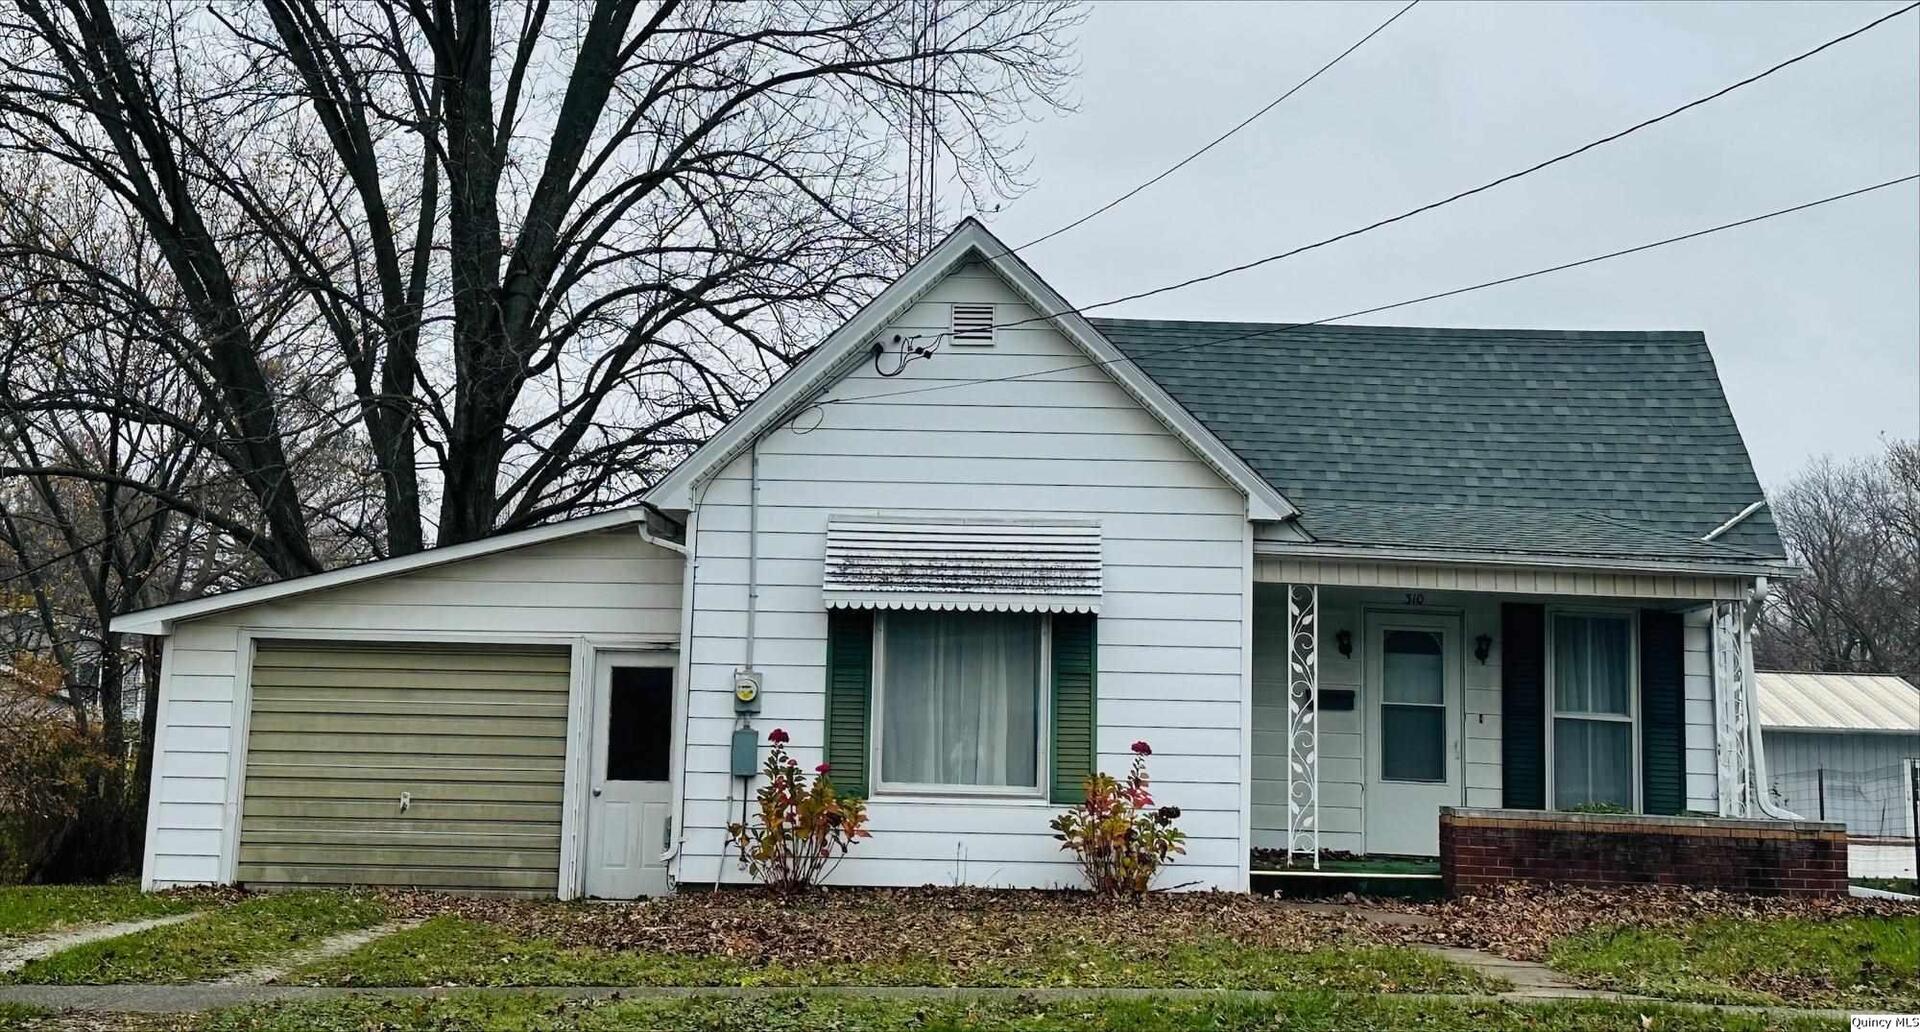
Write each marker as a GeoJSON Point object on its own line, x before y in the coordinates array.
{"type": "Point", "coordinates": [855, 925]}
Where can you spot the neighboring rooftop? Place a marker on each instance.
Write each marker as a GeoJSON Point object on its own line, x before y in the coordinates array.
{"type": "Point", "coordinates": [1595, 443]}
{"type": "Point", "coordinates": [1880, 703]}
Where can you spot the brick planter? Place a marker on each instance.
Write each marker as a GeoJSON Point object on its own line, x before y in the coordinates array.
{"type": "Point", "coordinates": [1482, 848]}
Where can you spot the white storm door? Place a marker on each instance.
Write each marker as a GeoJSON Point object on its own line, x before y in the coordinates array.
{"type": "Point", "coordinates": [629, 805]}
{"type": "Point", "coordinates": [1413, 730]}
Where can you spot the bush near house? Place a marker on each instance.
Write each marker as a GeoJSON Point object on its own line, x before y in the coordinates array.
{"type": "Point", "coordinates": [803, 830]}
{"type": "Point", "coordinates": [1118, 835]}
{"type": "Point", "coordinates": [49, 770]}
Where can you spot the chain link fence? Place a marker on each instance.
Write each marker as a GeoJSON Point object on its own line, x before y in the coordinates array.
{"type": "Point", "coordinates": [1874, 803]}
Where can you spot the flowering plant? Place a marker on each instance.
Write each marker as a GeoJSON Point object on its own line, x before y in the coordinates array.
{"type": "Point", "coordinates": [1120, 838]}
{"type": "Point", "coordinates": [802, 830]}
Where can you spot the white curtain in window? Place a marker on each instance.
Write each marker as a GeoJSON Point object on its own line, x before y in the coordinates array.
{"type": "Point", "coordinates": [1592, 758]}
{"type": "Point", "coordinates": [1590, 655]}
{"type": "Point", "coordinates": [961, 699]}
{"type": "Point", "coordinates": [1592, 762]}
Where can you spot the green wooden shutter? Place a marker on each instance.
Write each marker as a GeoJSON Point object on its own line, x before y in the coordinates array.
{"type": "Point", "coordinates": [1663, 745]}
{"type": "Point", "coordinates": [1075, 688]}
{"type": "Point", "coordinates": [849, 697]}
{"type": "Point", "coordinates": [1523, 702]}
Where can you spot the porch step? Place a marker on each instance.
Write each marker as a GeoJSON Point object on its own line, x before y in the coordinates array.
{"type": "Point", "coordinates": [1311, 884]}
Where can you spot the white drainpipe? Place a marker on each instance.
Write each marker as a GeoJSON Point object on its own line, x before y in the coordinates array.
{"type": "Point", "coordinates": [1756, 743]}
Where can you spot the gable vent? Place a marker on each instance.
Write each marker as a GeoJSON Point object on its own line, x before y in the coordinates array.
{"type": "Point", "coordinates": [973, 324]}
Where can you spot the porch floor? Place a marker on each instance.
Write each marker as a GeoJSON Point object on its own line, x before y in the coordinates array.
{"type": "Point", "coordinates": [1401, 876]}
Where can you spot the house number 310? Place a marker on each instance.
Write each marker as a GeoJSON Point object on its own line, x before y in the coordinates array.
{"type": "Point", "coordinates": [1416, 598]}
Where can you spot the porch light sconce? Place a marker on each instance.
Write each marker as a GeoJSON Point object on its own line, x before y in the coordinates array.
{"type": "Point", "coordinates": [1344, 642]}
{"type": "Point", "coordinates": [1482, 646]}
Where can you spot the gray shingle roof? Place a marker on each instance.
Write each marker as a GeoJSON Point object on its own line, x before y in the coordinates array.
{"type": "Point", "coordinates": [1579, 442]}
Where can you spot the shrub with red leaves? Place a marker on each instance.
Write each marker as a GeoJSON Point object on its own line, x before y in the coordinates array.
{"type": "Point", "coordinates": [1120, 838]}
{"type": "Point", "coordinates": [802, 831]}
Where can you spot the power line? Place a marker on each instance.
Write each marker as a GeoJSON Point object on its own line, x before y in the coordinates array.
{"type": "Point", "coordinates": [1482, 188]}
{"type": "Point", "coordinates": [1216, 141]}
{"type": "Point", "coordinates": [1272, 330]}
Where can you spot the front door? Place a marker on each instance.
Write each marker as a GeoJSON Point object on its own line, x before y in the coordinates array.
{"type": "Point", "coordinates": [629, 813]}
{"type": "Point", "coordinates": [1412, 743]}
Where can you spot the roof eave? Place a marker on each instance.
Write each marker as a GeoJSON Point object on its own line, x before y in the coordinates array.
{"type": "Point", "coordinates": [1457, 557]}
{"type": "Point", "coordinates": [161, 619]}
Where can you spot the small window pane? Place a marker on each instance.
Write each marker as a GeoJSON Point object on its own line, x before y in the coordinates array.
{"type": "Point", "coordinates": [640, 723]}
{"type": "Point", "coordinates": [1411, 668]}
{"type": "Point", "coordinates": [1592, 762]}
{"type": "Point", "coordinates": [961, 702]}
{"type": "Point", "coordinates": [1590, 664]}
{"type": "Point", "coordinates": [1413, 743]}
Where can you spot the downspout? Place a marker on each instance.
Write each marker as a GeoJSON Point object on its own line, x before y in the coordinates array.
{"type": "Point", "coordinates": [689, 605]}
{"type": "Point", "coordinates": [683, 674]}
{"type": "Point", "coordinates": [753, 543]}
{"type": "Point", "coordinates": [1756, 743]}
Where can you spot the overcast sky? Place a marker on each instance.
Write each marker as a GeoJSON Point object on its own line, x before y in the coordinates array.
{"type": "Point", "coordinates": [1814, 319]}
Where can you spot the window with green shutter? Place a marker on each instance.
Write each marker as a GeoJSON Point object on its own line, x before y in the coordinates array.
{"type": "Point", "coordinates": [1663, 778]}
{"type": "Point", "coordinates": [1523, 698]}
{"type": "Point", "coordinates": [1075, 689]}
{"type": "Point", "coordinates": [935, 699]}
{"type": "Point", "coordinates": [849, 697]}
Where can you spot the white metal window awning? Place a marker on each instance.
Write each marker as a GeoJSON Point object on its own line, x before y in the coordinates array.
{"type": "Point", "coordinates": [875, 563]}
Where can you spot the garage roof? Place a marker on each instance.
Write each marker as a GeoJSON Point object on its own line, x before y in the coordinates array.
{"type": "Point", "coordinates": [160, 619]}
{"type": "Point", "coordinates": [1873, 703]}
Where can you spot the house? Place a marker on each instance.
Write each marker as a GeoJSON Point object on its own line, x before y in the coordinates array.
{"type": "Point", "coordinates": [1842, 747]}
{"type": "Point", "coordinates": [969, 550]}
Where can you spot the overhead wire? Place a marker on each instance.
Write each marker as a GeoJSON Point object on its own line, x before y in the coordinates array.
{"type": "Point", "coordinates": [1218, 140]}
{"type": "Point", "coordinates": [1482, 188]}
{"type": "Point", "coordinates": [1375, 309]}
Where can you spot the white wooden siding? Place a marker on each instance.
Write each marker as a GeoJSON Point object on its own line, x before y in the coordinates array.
{"type": "Point", "coordinates": [1060, 445]}
{"type": "Point", "coordinates": [609, 585]}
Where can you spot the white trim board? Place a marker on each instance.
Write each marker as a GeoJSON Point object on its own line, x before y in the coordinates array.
{"type": "Point", "coordinates": [160, 619]}
{"type": "Point", "coordinates": [969, 241]}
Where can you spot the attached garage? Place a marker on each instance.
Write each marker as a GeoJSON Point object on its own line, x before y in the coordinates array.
{"type": "Point", "coordinates": [405, 765]}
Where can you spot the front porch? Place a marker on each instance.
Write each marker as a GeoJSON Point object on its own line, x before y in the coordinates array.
{"type": "Point", "coordinates": [1383, 692]}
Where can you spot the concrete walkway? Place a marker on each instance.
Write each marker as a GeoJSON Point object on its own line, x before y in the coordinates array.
{"type": "Point", "coordinates": [14, 957]}
{"type": "Point", "coordinates": [1530, 981]}
{"type": "Point", "coordinates": [339, 945]}
{"type": "Point", "coordinates": [175, 999]}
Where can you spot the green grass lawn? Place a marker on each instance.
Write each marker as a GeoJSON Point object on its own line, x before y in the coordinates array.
{"type": "Point", "coordinates": [236, 939]}
{"type": "Point", "coordinates": [457, 951]}
{"type": "Point", "coordinates": [1294, 1012]}
{"type": "Point", "coordinates": [33, 909]}
{"type": "Point", "coordinates": [1856, 962]}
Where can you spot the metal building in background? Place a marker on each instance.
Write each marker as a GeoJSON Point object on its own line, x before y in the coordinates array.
{"type": "Point", "coordinates": [1842, 747]}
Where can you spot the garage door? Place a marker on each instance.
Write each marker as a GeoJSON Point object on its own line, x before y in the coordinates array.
{"type": "Point", "coordinates": [408, 766]}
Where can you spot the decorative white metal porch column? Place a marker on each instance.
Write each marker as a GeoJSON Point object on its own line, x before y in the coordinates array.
{"type": "Point", "coordinates": [1732, 701]}
{"type": "Point", "coordinates": [1303, 722]}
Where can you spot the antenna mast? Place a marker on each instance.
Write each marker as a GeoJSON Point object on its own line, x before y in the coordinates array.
{"type": "Point", "coordinates": [923, 133]}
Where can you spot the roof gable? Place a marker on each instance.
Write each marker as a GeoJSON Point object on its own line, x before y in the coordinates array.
{"type": "Point", "coordinates": [848, 346]}
{"type": "Point", "coordinates": [1612, 442]}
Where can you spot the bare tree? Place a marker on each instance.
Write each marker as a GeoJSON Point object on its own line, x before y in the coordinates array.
{"type": "Point", "coordinates": [546, 247]}
{"type": "Point", "coordinates": [1855, 528]}
{"type": "Point", "coordinates": [108, 503]}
